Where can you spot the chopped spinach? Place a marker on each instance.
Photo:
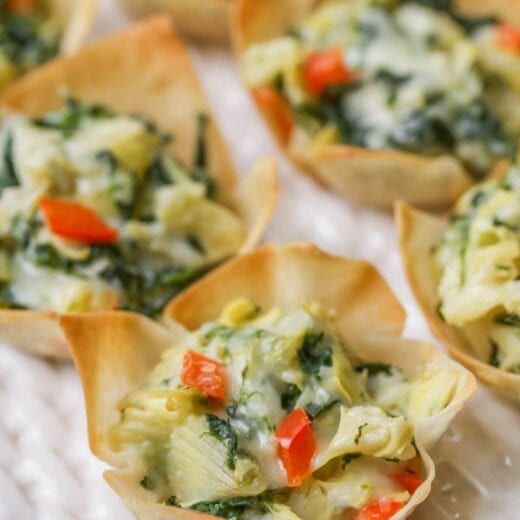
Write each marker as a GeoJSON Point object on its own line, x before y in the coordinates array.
{"type": "Point", "coordinates": [147, 483]}
{"type": "Point", "coordinates": [7, 300]}
{"type": "Point", "coordinates": [422, 131]}
{"type": "Point", "coordinates": [392, 81]}
{"type": "Point", "coordinates": [220, 331]}
{"type": "Point", "coordinates": [348, 458]}
{"type": "Point", "coordinates": [315, 353]}
{"type": "Point", "coordinates": [374, 368]}
{"type": "Point", "coordinates": [511, 319]}
{"type": "Point", "coordinates": [494, 356]}
{"type": "Point", "coordinates": [196, 244]}
{"type": "Point", "coordinates": [124, 186]}
{"type": "Point", "coordinates": [46, 255]}
{"type": "Point", "coordinates": [200, 159]}
{"type": "Point", "coordinates": [289, 397]}
{"type": "Point", "coordinates": [231, 409]}
{"type": "Point", "coordinates": [22, 230]}
{"type": "Point", "coordinates": [22, 41]}
{"type": "Point", "coordinates": [497, 221]}
{"type": "Point", "coordinates": [172, 501]}
{"type": "Point", "coordinates": [199, 172]}
{"type": "Point", "coordinates": [69, 119]}
{"type": "Point", "coordinates": [469, 24]}
{"type": "Point", "coordinates": [230, 508]}
{"type": "Point", "coordinates": [235, 508]}
{"type": "Point", "coordinates": [314, 410]}
{"type": "Point", "coordinates": [144, 289]}
{"type": "Point", "coordinates": [478, 198]}
{"type": "Point", "coordinates": [8, 175]}
{"type": "Point", "coordinates": [223, 431]}
{"type": "Point", "coordinates": [360, 432]}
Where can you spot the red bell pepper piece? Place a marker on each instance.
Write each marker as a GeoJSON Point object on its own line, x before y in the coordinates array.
{"type": "Point", "coordinates": [276, 110]}
{"type": "Point", "coordinates": [383, 509]}
{"type": "Point", "coordinates": [327, 68]}
{"type": "Point", "coordinates": [296, 446]}
{"type": "Point", "coordinates": [205, 375]}
{"type": "Point", "coordinates": [76, 222]}
{"type": "Point", "coordinates": [508, 37]}
{"type": "Point", "coordinates": [21, 6]}
{"type": "Point", "coordinates": [409, 479]}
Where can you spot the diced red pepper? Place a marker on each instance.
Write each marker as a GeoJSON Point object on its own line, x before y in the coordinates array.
{"type": "Point", "coordinates": [76, 222]}
{"type": "Point", "coordinates": [205, 375]}
{"type": "Point", "coordinates": [409, 479]}
{"type": "Point", "coordinates": [21, 6]}
{"type": "Point", "coordinates": [508, 37]}
{"type": "Point", "coordinates": [383, 509]}
{"type": "Point", "coordinates": [296, 446]}
{"type": "Point", "coordinates": [276, 110]}
{"type": "Point", "coordinates": [326, 69]}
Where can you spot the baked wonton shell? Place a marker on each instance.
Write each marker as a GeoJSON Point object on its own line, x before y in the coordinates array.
{"type": "Point", "coordinates": [206, 21]}
{"type": "Point", "coordinates": [75, 18]}
{"type": "Point", "coordinates": [146, 70]}
{"type": "Point", "coordinates": [114, 352]}
{"type": "Point", "coordinates": [374, 178]}
{"type": "Point", "coordinates": [418, 233]}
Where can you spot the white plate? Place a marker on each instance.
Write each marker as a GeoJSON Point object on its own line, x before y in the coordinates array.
{"type": "Point", "coordinates": [46, 469]}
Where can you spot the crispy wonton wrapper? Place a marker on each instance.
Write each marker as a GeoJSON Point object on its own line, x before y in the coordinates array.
{"type": "Point", "coordinates": [372, 177]}
{"type": "Point", "coordinates": [418, 233]}
{"type": "Point", "coordinates": [146, 70]}
{"type": "Point", "coordinates": [204, 20]}
{"type": "Point", "coordinates": [75, 18]}
{"type": "Point", "coordinates": [115, 352]}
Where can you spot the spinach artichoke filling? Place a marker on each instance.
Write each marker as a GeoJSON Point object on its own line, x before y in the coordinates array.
{"type": "Point", "coordinates": [479, 270]}
{"type": "Point", "coordinates": [269, 415]}
{"type": "Point", "coordinates": [96, 213]}
{"type": "Point", "coordinates": [407, 75]}
{"type": "Point", "coordinates": [29, 36]}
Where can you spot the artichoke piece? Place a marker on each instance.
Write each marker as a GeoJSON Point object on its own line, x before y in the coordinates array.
{"type": "Point", "coordinates": [150, 415]}
{"type": "Point", "coordinates": [39, 158]}
{"type": "Point", "coordinates": [262, 63]}
{"type": "Point", "coordinates": [369, 431]}
{"type": "Point", "coordinates": [310, 501]}
{"type": "Point", "coordinates": [280, 512]}
{"type": "Point", "coordinates": [126, 138]}
{"type": "Point", "coordinates": [198, 471]}
{"type": "Point", "coordinates": [431, 393]}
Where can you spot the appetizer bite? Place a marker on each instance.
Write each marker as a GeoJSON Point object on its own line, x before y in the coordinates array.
{"type": "Point", "coordinates": [202, 20]}
{"type": "Point", "coordinates": [34, 31]}
{"type": "Point", "coordinates": [384, 99]}
{"type": "Point", "coordinates": [120, 196]}
{"type": "Point", "coordinates": [283, 390]}
{"type": "Point", "coordinates": [464, 273]}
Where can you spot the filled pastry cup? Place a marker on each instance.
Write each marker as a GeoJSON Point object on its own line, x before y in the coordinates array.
{"type": "Point", "coordinates": [114, 354]}
{"type": "Point", "coordinates": [144, 70]}
{"type": "Point", "coordinates": [206, 21]}
{"type": "Point", "coordinates": [374, 176]}
{"type": "Point", "coordinates": [419, 234]}
{"type": "Point", "coordinates": [37, 31]}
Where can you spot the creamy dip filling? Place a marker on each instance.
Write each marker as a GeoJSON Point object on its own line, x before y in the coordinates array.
{"type": "Point", "coordinates": [207, 429]}
{"type": "Point", "coordinates": [165, 227]}
{"type": "Point", "coordinates": [411, 76]}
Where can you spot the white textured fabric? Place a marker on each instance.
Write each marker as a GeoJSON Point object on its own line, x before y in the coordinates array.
{"type": "Point", "coordinates": [46, 470]}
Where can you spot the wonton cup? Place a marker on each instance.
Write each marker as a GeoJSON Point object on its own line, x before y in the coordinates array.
{"type": "Point", "coordinates": [418, 233]}
{"type": "Point", "coordinates": [145, 70]}
{"type": "Point", "coordinates": [371, 177]}
{"type": "Point", "coordinates": [115, 352]}
{"type": "Point", "coordinates": [203, 20]}
{"type": "Point", "coordinates": [74, 19]}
